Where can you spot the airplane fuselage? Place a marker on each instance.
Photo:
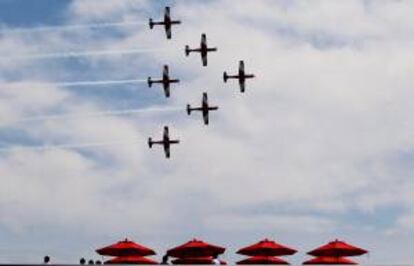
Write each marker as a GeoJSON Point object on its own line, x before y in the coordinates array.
{"type": "Point", "coordinates": [205, 109]}
{"type": "Point", "coordinates": [203, 50]}
{"type": "Point", "coordinates": [167, 23]}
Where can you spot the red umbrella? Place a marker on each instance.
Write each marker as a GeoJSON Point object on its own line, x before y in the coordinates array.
{"type": "Point", "coordinates": [266, 247]}
{"type": "Point", "coordinates": [195, 248]}
{"type": "Point", "coordinates": [263, 260]}
{"type": "Point", "coordinates": [125, 248]}
{"type": "Point", "coordinates": [196, 261]}
{"type": "Point", "coordinates": [337, 249]}
{"type": "Point", "coordinates": [131, 260]}
{"type": "Point", "coordinates": [330, 260]}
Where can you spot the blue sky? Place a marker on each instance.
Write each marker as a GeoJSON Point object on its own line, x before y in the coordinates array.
{"type": "Point", "coordinates": [20, 13]}
{"type": "Point", "coordinates": [320, 146]}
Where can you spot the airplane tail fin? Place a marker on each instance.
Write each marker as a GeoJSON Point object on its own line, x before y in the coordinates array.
{"type": "Point", "coordinates": [149, 82]}
{"type": "Point", "coordinates": [187, 50]}
{"type": "Point", "coordinates": [225, 77]}
{"type": "Point", "coordinates": [150, 143]}
{"type": "Point", "coordinates": [189, 109]}
{"type": "Point", "coordinates": [151, 23]}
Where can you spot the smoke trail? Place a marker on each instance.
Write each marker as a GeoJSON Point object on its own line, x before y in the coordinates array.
{"type": "Point", "coordinates": [98, 114]}
{"type": "Point", "coordinates": [66, 146]}
{"type": "Point", "coordinates": [81, 54]}
{"type": "Point", "coordinates": [97, 83]}
{"type": "Point", "coordinates": [71, 27]}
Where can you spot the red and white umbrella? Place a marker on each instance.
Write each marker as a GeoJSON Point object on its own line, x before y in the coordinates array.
{"type": "Point", "coordinates": [267, 247]}
{"type": "Point", "coordinates": [195, 248]}
{"type": "Point", "coordinates": [125, 248]}
{"type": "Point", "coordinates": [131, 260]}
{"type": "Point", "coordinates": [337, 249]}
{"type": "Point", "coordinates": [330, 261]}
{"type": "Point", "coordinates": [267, 260]}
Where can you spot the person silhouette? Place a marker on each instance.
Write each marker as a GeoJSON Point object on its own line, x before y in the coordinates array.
{"type": "Point", "coordinates": [165, 259]}
{"type": "Point", "coordinates": [46, 260]}
{"type": "Point", "coordinates": [82, 261]}
{"type": "Point", "coordinates": [216, 261]}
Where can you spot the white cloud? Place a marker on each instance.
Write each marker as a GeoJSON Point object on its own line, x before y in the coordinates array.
{"type": "Point", "coordinates": [27, 98]}
{"type": "Point", "coordinates": [287, 223]}
{"type": "Point", "coordinates": [95, 9]}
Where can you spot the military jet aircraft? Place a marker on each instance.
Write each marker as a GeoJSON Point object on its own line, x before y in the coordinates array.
{"type": "Point", "coordinates": [203, 50]}
{"type": "Point", "coordinates": [165, 81]}
{"type": "Point", "coordinates": [205, 108]}
{"type": "Point", "coordinates": [168, 22]}
{"type": "Point", "coordinates": [166, 142]}
{"type": "Point", "coordinates": [242, 76]}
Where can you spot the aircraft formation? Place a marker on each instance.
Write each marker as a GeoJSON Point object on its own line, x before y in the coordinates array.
{"type": "Point", "coordinates": [166, 80]}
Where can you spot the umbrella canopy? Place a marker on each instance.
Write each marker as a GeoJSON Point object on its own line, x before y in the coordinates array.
{"type": "Point", "coordinates": [195, 248]}
{"type": "Point", "coordinates": [196, 261]}
{"type": "Point", "coordinates": [267, 247]}
{"type": "Point", "coordinates": [337, 249]}
{"type": "Point", "coordinates": [125, 248]}
{"type": "Point", "coordinates": [263, 260]}
{"type": "Point", "coordinates": [131, 260]}
{"type": "Point", "coordinates": [330, 261]}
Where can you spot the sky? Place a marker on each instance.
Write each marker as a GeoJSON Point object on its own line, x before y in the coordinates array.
{"type": "Point", "coordinates": [320, 146]}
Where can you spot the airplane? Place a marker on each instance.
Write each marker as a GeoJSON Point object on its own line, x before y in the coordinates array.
{"type": "Point", "coordinates": [203, 50]}
{"type": "Point", "coordinates": [166, 142]}
{"type": "Point", "coordinates": [167, 22]}
{"type": "Point", "coordinates": [165, 81]}
{"type": "Point", "coordinates": [205, 108]}
{"type": "Point", "coordinates": [242, 76]}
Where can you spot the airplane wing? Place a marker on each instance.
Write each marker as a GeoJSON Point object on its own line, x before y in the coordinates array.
{"type": "Point", "coordinates": [203, 40]}
{"type": "Point", "coordinates": [167, 12]}
{"type": "Point", "coordinates": [167, 150]}
{"type": "Point", "coordinates": [167, 89]}
{"type": "Point", "coordinates": [242, 85]}
{"type": "Point", "coordinates": [204, 59]}
{"type": "Point", "coordinates": [205, 98]}
{"type": "Point", "coordinates": [165, 72]}
{"type": "Point", "coordinates": [168, 31]}
{"type": "Point", "coordinates": [205, 117]}
{"type": "Point", "coordinates": [241, 67]}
